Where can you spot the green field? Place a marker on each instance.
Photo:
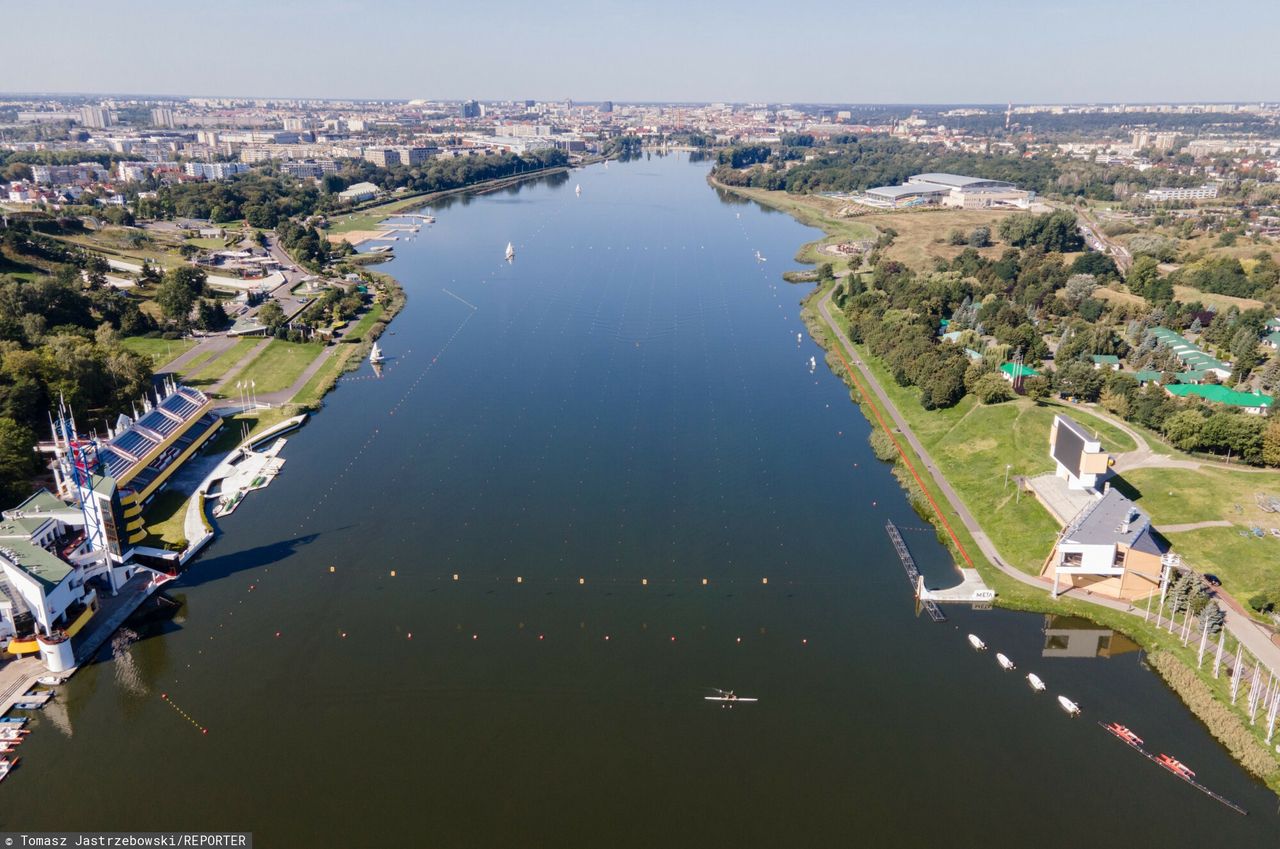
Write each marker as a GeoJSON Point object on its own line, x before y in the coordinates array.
{"type": "Point", "coordinates": [279, 365]}
{"type": "Point", "coordinates": [1246, 564]}
{"type": "Point", "coordinates": [160, 351]}
{"type": "Point", "coordinates": [216, 368]}
{"type": "Point", "coordinates": [322, 381]}
{"type": "Point", "coordinates": [361, 327]}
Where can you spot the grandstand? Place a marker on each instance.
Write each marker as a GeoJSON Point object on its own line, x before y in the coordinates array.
{"type": "Point", "coordinates": [141, 453]}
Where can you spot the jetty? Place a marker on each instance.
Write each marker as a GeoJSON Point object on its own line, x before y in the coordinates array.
{"type": "Point", "coordinates": [913, 574]}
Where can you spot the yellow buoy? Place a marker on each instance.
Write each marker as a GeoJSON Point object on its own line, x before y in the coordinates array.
{"type": "Point", "coordinates": [704, 582]}
{"type": "Point", "coordinates": [455, 576]}
{"type": "Point", "coordinates": [644, 582]}
{"type": "Point", "coordinates": [581, 581]}
{"type": "Point", "coordinates": [333, 568]}
{"type": "Point", "coordinates": [393, 573]}
{"type": "Point", "coordinates": [764, 580]}
{"type": "Point", "coordinates": [519, 579]}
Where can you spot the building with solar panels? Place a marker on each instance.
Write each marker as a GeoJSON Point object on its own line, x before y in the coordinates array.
{"type": "Point", "coordinates": [60, 553]}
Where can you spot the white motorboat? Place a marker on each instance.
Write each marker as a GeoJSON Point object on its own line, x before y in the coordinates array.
{"type": "Point", "coordinates": [49, 680]}
{"type": "Point", "coordinates": [1035, 682]}
{"type": "Point", "coordinates": [1069, 706]}
{"type": "Point", "coordinates": [375, 354]}
{"type": "Point", "coordinates": [511, 252]}
{"type": "Point", "coordinates": [977, 643]}
{"type": "Point", "coordinates": [1004, 661]}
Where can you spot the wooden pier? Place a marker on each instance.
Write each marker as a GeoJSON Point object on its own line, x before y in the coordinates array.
{"type": "Point", "coordinates": [913, 574]}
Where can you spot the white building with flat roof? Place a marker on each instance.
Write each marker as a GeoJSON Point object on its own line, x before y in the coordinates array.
{"type": "Point", "coordinates": [948, 190]}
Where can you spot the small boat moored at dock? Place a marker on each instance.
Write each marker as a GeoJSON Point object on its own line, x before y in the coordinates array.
{"type": "Point", "coordinates": [1004, 661]}
{"type": "Point", "coordinates": [49, 680]}
{"type": "Point", "coordinates": [1069, 706]}
{"type": "Point", "coordinates": [1035, 682]}
{"type": "Point", "coordinates": [977, 642]}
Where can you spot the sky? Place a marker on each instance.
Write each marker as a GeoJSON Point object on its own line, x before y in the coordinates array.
{"type": "Point", "coordinates": [818, 51]}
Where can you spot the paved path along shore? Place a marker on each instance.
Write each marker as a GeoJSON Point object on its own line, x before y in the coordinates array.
{"type": "Point", "coordinates": [1255, 638]}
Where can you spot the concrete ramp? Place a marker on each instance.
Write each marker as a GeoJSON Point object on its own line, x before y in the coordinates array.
{"type": "Point", "coordinates": [970, 589]}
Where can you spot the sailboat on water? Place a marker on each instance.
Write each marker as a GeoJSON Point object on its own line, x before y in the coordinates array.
{"type": "Point", "coordinates": [375, 354]}
{"type": "Point", "coordinates": [577, 190]}
{"type": "Point", "coordinates": [511, 252]}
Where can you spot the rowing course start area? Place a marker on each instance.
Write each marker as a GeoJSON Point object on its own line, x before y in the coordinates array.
{"type": "Point", "coordinates": [491, 589]}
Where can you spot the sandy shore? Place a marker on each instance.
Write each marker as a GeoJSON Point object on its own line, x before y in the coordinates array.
{"type": "Point", "coordinates": [359, 237]}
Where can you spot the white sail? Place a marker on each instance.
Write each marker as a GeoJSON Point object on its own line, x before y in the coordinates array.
{"type": "Point", "coordinates": [375, 354]}
{"type": "Point", "coordinates": [511, 250]}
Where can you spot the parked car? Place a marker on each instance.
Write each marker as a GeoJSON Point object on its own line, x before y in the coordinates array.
{"type": "Point", "coordinates": [1212, 580]}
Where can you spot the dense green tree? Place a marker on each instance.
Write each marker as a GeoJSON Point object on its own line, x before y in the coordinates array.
{"type": "Point", "coordinates": [18, 460]}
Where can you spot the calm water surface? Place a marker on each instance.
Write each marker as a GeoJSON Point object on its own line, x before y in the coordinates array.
{"type": "Point", "coordinates": [626, 402]}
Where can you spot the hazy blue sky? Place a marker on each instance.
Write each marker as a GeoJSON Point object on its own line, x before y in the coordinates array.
{"type": "Point", "coordinates": [939, 51]}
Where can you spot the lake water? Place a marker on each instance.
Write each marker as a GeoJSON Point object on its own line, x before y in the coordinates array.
{"type": "Point", "coordinates": [582, 437]}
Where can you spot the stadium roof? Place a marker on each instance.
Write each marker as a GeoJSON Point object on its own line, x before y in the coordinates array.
{"type": "Point", "coordinates": [896, 192]}
{"type": "Point", "coordinates": [955, 181]}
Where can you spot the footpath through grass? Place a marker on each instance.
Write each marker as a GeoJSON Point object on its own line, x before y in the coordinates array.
{"type": "Point", "coordinates": [215, 369]}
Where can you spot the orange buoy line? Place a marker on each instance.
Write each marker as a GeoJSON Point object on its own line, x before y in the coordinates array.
{"type": "Point", "coordinates": [165, 698]}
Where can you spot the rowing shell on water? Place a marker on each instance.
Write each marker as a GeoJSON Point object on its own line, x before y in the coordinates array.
{"type": "Point", "coordinates": [727, 699]}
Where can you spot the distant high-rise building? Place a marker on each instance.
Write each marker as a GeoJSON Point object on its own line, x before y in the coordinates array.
{"type": "Point", "coordinates": [95, 116]}
{"type": "Point", "coordinates": [529, 104]}
{"type": "Point", "coordinates": [297, 125]}
{"type": "Point", "coordinates": [471, 109]}
{"type": "Point", "coordinates": [162, 116]}
{"type": "Point", "coordinates": [606, 106]}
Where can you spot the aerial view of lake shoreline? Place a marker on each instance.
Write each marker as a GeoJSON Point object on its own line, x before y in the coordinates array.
{"type": "Point", "coordinates": [640, 472]}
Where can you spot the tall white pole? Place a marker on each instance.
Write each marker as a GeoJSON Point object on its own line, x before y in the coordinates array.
{"type": "Point", "coordinates": [1271, 718]}
{"type": "Point", "coordinates": [1255, 688]}
{"type": "Point", "coordinates": [1204, 641]}
{"type": "Point", "coordinates": [1237, 672]}
{"type": "Point", "coordinates": [1217, 656]}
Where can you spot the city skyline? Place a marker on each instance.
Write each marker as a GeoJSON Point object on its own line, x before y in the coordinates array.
{"type": "Point", "coordinates": [915, 52]}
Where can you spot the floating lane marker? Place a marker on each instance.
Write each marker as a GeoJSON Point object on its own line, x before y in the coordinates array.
{"type": "Point", "coordinates": [183, 714]}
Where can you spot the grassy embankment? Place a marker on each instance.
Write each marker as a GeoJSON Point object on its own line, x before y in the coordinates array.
{"type": "Point", "coordinates": [1023, 533]}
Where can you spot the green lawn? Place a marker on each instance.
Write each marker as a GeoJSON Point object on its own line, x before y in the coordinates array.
{"type": "Point", "coordinates": [322, 381]}
{"type": "Point", "coordinates": [1246, 564]}
{"type": "Point", "coordinates": [279, 365]}
{"type": "Point", "coordinates": [160, 351]}
{"type": "Point", "coordinates": [218, 366]}
{"type": "Point", "coordinates": [362, 325]}
{"type": "Point", "coordinates": [164, 519]}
